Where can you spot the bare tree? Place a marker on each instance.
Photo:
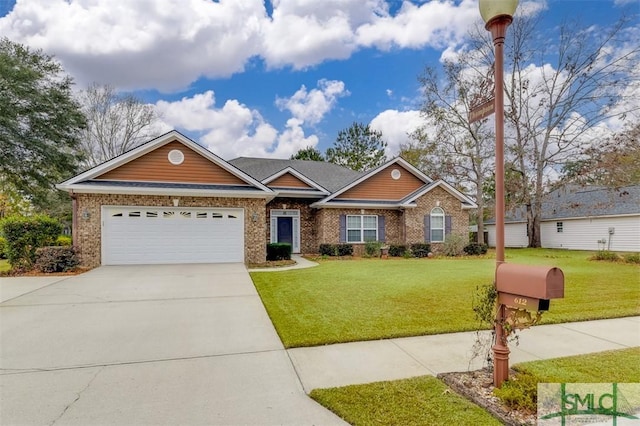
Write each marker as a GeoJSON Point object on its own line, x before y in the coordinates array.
{"type": "Point", "coordinates": [583, 78]}
{"type": "Point", "coordinates": [565, 92]}
{"type": "Point", "coordinates": [616, 163]}
{"type": "Point", "coordinates": [115, 123]}
{"type": "Point", "coordinates": [449, 146]}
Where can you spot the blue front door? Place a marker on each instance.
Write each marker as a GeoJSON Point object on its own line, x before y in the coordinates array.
{"type": "Point", "coordinates": [285, 230]}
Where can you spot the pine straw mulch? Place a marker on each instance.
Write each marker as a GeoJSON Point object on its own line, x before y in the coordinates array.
{"type": "Point", "coordinates": [35, 273]}
{"type": "Point", "coordinates": [477, 386]}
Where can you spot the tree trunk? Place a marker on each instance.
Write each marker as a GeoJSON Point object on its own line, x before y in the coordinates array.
{"type": "Point", "coordinates": [533, 224]}
{"type": "Point", "coordinates": [480, 214]}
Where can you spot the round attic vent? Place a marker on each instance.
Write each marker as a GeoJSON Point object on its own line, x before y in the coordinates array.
{"type": "Point", "coordinates": [175, 157]}
{"type": "Point", "coordinates": [395, 174]}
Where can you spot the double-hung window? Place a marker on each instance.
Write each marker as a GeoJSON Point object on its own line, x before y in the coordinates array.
{"type": "Point", "coordinates": [362, 228]}
{"type": "Point", "coordinates": [437, 225]}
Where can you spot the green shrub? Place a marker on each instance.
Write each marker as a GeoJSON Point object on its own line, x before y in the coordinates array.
{"type": "Point", "coordinates": [24, 235]}
{"type": "Point", "coordinates": [344, 249]}
{"type": "Point", "coordinates": [453, 245]}
{"type": "Point", "coordinates": [328, 250]}
{"type": "Point", "coordinates": [372, 248]}
{"type": "Point", "coordinates": [420, 249]}
{"type": "Point", "coordinates": [606, 255]}
{"type": "Point", "coordinates": [397, 250]}
{"type": "Point", "coordinates": [520, 392]}
{"type": "Point", "coordinates": [632, 257]}
{"type": "Point", "coordinates": [56, 259]}
{"type": "Point", "coordinates": [64, 240]}
{"type": "Point", "coordinates": [475, 249]}
{"type": "Point", "coordinates": [279, 251]}
{"type": "Point", "coordinates": [3, 253]}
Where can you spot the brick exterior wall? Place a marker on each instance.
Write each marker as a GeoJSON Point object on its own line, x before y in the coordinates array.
{"type": "Point", "coordinates": [87, 235]}
{"type": "Point", "coordinates": [308, 232]}
{"type": "Point", "coordinates": [401, 227]}
{"type": "Point", "coordinates": [414, 218]}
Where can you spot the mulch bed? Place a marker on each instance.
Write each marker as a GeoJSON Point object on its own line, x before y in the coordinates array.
{"type": "Point", "coordinates": [271, 264]}
{"type": "Point", "coordinates": [477, 386]}
{"type": "Point", "coordinates": [35, 273]}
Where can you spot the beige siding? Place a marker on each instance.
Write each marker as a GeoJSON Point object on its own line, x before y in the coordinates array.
{"type": "Point", "coordinates": [382, 186]}
{"type": "Point", "coordinates": [155, 166]}
{"type": "Point", "coordinates": [287, 180]}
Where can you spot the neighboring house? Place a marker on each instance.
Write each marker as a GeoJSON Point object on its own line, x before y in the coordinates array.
{"type": "Point", "coordinates": [172, 201]}
{"type": "Point", "coordinates": [581, 218]}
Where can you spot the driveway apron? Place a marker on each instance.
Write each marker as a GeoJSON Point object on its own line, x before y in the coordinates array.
{"type": "Point", "coordinates": [152, 344]}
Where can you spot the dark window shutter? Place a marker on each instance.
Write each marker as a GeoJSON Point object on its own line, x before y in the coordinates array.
{"type": "Point", "coordinates": [381, 236]}
{"type": "Point", "coordinates": [427, 228]}
{"type": "Point", "coordinates": [343, 228]}
{"type": "Point", "coordinates": [447, 225]}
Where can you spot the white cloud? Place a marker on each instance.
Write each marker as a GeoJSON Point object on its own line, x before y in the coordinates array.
{"type": "Point", "coordinates": [141, 44]}
{"type": "Point", "coordinates": [434, 23]}
{"type": "Point", "coordinates": [236, 130]}
{"type": "Point", "coordinates": [396, 127]}
{"type": "Point", "coordinates": [311, 106]}
{"type": "Point", "coordinates": [169, 44]}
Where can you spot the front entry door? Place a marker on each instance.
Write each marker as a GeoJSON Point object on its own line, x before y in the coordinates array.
{"type": "Point", "coordinates": [285, 230]}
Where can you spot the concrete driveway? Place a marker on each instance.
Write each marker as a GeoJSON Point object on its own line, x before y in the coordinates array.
{"type": "Point", "coordinates": [167, 344]}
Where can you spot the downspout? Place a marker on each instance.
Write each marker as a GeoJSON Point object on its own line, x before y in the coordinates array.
{"type": "Point", "coordinates": [74, 218]}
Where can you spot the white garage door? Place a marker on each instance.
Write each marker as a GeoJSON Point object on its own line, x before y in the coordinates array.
{"type": "Point", "coordinates": [145, 235]}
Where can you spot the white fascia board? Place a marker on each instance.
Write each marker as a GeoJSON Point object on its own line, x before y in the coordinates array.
{"type": "Point", "coordinates": [157, 143]}
{"type": "Point", "coordinates": [194, 192]}
{"type": "Point", "coordinates": [297, 194]}
{"type": "Point", "coordinates": [354, 205]}
{"type": "Point", "coordinates": [398, 160]}
{"type": "Point", "coordinates": [297, 174]}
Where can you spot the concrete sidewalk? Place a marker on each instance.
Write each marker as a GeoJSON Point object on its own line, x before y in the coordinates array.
{"type": "Point", "coordinates": [364, 362]}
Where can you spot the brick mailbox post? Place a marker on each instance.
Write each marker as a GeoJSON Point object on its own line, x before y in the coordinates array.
{"type": "Point", "coordinates": [521, 287]}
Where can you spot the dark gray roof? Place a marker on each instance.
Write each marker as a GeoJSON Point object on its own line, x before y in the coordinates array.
{"type": "Point", "coordinates": [330, 176]}
{"type": "Point", "coordinates": [583, 201]}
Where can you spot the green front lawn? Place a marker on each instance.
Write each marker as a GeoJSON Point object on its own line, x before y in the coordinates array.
{"type": "Point", "coordinates": [418, 401]}
{"type": "Point", "coordinates": [367, 299]}
{"type": "Point", "coordinates": [426, 400]}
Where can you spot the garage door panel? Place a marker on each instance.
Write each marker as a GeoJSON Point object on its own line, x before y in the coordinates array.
{"type": "Point", "coordinates": [134, 235]}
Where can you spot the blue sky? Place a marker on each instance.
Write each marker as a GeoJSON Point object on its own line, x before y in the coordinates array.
{"type": "Point", "coordinates": [256, 78]}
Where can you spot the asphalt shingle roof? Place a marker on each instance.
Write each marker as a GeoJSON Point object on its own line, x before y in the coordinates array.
{"type": "Point", "coordinates": [584, 201]}
{"type": "Point", "coordinates": [330, 176]}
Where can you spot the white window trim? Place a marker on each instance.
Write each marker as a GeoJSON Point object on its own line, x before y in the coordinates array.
{"type": "Point", "coordinates": [433, 228]}
{"type": "Point", "coordinates": [361, 228]}
{"type": "Point", "coordinates": [295, 215]}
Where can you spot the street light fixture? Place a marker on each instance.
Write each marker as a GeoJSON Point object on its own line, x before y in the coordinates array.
{"type": "Point", "coordinates": [498, 14]}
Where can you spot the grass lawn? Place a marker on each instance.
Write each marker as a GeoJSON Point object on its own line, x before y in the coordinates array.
{"type": "Point", "coordinates": [426, 400]}
{"type": "Point", "coordinates": [4, 265]}
{"type": "Point", "coordinates": [351, 300]}
{"type": "Point", "coordinates": [418, 401]}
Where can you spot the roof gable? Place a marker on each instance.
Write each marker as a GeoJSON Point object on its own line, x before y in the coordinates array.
{"type": "Point", "coordinates": [327, 176]}
{"type": "Point", "coordinates": [150, 163]}
{"type": "Point", "coordinates": [393, 180]}
{"type": "Point", "coordinates": [155, 166]}
{"type": "Point", "coordinates": [291, 178]}
{"type": "Point", "coordinates": [467, 203]}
